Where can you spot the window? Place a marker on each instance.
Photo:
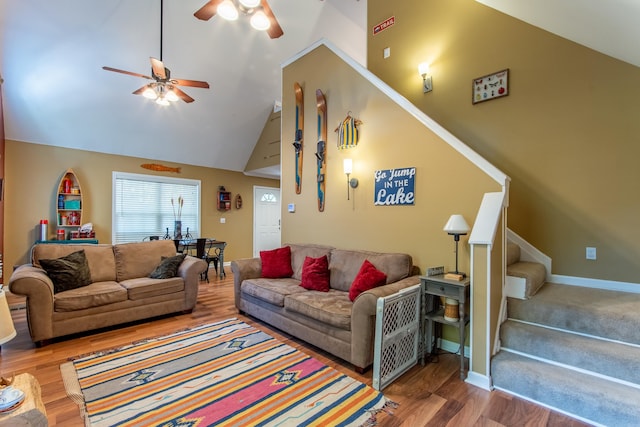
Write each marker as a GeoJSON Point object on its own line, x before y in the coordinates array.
{"type": "Point", "coordinates": [142, 206]}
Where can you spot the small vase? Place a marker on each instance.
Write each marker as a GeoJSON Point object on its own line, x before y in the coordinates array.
{"type": "Point", "coordinates": [177, 230]}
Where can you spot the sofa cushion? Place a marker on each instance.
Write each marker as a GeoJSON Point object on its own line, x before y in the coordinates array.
{"type": "Point", "coordinates": [272, 291]}
{"type": "Point", "coordinates": [276, 263]}
{"type": "Point", "coordinates": [145, 287]}
{"type": "Point", "coordinates": [139, 259]}
{"type": "Point", "coordinates": [102, 263]}
{"type": "Point", "coordinates": [315, 274]}
{"type": "Point", "coordinates": [368, 277]}
{"type": "Point", "coordinates": [93, 295]}
{"type": "Point", "coordinates": [345, 264]}
{"type": "Point", "coordinates": [333, 307]}
{"type": "Point", "coordinates": [300, 252]}
{"type": "Point", "coordinates": [168, 267]}
{"type": "Point", "coordinates": [68, 272]}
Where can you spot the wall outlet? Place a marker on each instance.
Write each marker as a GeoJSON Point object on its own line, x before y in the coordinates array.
{"type": "Point", "coordinates": [223, 220]}
{"type": "Point", "coordinates": [386, 52]}
{"type": "Point", "coordinates": [591, 253]}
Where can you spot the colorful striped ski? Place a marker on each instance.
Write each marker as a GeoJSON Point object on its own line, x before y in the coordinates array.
{"type": "Point", "coordinates": [321, 152]}
{"type": "Point", "coordinates": [299, 135]}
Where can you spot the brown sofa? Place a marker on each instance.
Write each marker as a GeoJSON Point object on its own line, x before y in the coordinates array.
{"type": "Point", "coordinates": [121, 289]}
{"type": "Point", "coordinates": [328, 320]}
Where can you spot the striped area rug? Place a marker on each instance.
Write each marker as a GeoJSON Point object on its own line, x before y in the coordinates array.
{"type": "Point", "coordinates": [224, 374]}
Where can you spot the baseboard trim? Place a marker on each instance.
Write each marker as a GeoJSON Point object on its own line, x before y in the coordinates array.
{"type": "Point", "coordinates": [481, 381]}
{"type": "Point", "coordinates": [586, 282]}
{"type": "Point", "coordinates": [452, 347]}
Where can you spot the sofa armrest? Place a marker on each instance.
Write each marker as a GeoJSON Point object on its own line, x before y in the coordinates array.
{"type": "Point", "coordinates": [190, 271]}
{"type": "Point", "coordinates": [363, 318]}
{"type": "Point", "coordinates": [34, 283]}
{"type": "Point", "coordinates": [246, 268]}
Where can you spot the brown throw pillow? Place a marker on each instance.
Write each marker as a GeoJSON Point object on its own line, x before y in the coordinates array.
{"type": "Point", "coordinates": [168, 267]}
{"type": "Point", "coordinates": [68, 272]}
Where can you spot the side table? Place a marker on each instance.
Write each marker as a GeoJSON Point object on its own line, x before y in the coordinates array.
{"type": "Point", "coordinates": [31, 412]}
{"type": "Point", "coordinates": [433, 286]}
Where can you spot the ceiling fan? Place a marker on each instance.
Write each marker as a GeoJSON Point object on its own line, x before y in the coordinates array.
{"type": "Point", "coordinates": [164, 88]}
{"type": "Point", "coordinates": [262, 17]}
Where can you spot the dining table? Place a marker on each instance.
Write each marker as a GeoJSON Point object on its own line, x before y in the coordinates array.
{"type": "Point", "coordinates": [190, 246]}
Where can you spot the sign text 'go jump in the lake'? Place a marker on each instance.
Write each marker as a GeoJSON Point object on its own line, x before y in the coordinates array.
{"type": "Point", "coordinates": [395, 187]}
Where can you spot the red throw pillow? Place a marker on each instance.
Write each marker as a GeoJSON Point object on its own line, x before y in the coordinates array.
{"type": "Point", "coordinates": [276, 263]}
{"type": "Point", "coordinates": [367, 278]}
{"type": "Point", "coordinates": [315, 274]}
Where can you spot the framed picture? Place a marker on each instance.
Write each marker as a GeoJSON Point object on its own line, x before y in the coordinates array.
{"type": "Point", "coordinates": [491, 86]}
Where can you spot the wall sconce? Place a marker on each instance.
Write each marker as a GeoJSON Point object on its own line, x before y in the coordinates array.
{"type": "Point", "coordinates": [348, 168]}
{"type": "Point", "coordinates": [456, 226]}
{"type": "Point", "coordinates": [427, 84]}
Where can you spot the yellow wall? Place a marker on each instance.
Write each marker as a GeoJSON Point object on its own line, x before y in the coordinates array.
{"type": "Point", "coordinates": [446, 183]}
{"type": "Point", "coordinates": [567, 134]}
{"type": "Point", "coordinates": [33, 172]}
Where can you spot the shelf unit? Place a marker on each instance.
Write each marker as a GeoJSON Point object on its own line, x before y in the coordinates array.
{"type": "Point", "coordinates": [69, 201]}
{"type": "Point", "coordinates": [224, 200]}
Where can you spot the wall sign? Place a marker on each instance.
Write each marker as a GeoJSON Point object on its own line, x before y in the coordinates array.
{"type": "Point", "coordinates": [491, 86]}
{"type": "Point", "coordinates": [384, 25]}
{"type": "Point", "coordinates": [395, 187]}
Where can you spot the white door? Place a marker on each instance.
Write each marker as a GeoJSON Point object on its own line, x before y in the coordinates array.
{"type": "Point", "coordinates": [266, 219]}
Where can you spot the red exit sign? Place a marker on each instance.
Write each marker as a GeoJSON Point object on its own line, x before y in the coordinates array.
{"type": "Point", "coordinates": [384, 25]}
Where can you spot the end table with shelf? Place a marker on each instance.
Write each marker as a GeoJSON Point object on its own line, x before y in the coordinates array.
{"type": "Point", "coordinates": [438, 286]}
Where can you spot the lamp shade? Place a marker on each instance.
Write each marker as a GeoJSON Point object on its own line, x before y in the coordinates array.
{"type": "Point", "coordinates": [347, 166]}
{"type": "Point", "coordinates": [7, 330]}
{"type": "Point", "coordinates": [456, 225]}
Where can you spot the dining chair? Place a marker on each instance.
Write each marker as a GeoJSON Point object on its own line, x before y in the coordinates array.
{"type": "Point", "coordinates": [203, 252]}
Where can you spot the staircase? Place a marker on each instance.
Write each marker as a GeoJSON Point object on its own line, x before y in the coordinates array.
{"type": "Point", "coordinates": [573, 349]}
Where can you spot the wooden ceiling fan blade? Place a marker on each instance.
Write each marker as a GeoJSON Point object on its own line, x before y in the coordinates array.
{"type": "Point", "coordinates": [207, 11]}
{"type": "Point", "coordinates": [129, 73]}
{"type": "Point", "coordinates": [192, 83]}
{"type": "Point", "coordinates": [158, 68]}
{"type": "Point", "coordinates": [182, 95]}
{"type": "Point", "coordinates": [274, 30]}
{"type": "Point", "coordinates": [139, 91]}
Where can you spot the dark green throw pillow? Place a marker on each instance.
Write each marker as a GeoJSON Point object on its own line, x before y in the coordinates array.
{"type": "Point", "coordinates": [68, 272]}
{"type": "Point", "coordinates": [168, 267]}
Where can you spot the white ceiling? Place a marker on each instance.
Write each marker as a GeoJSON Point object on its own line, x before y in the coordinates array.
{"type": "Point", "coordinates": [55, 92]}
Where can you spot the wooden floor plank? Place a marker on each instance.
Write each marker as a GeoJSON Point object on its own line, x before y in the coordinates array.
{"type": "Point", "coordinates": [430, 395]}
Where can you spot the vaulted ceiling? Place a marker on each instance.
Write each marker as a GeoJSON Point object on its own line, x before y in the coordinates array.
{"type": "Point", "coordinates": [55, 92]}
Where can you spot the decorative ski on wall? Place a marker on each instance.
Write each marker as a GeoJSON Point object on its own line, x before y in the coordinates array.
{"type": "Point", "coordinates": [298, 142]}
{"type": "Point", "coordinates": [321, 153]}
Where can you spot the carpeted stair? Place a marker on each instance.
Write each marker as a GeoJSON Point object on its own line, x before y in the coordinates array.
{"type": "Point", "coordinates": [576, 350]}
{"type": "Point", "coordinates": [524, 278]}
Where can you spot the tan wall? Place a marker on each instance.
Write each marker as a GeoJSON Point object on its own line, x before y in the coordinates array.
{"type": "Point", "coordinates": [446, 183]}
{"type": "Point", "coordinates": [266, 153]}
{"type": "Point", "coordinates": [33, 172]}
{"type": "Point", "coordinates": [567, 134]}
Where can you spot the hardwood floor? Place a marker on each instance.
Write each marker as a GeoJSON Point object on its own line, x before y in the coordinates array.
{"type": "Point", "coordinates": [430, 395]}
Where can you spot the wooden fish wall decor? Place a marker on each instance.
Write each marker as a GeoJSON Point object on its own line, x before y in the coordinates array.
{"type": "Point", "coordinates": [159, 168]}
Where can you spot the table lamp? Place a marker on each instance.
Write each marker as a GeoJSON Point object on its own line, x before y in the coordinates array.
{"type": "Point", "coordinates": [456, 227]}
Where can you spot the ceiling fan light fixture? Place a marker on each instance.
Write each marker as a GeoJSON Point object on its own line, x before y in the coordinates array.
{"type": "Point", "coordinates": [170, 95]}
{"type": "Point", "coordinates": [227, 10]}
{"type": "Point", "coordinates": [259, 21]}
{"type": "Point", "coordinates": [250, 4]}
{"type": "Point", "coordinates": [150, 93]}
{"type": "Point", "coordinates": [162, 101]}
